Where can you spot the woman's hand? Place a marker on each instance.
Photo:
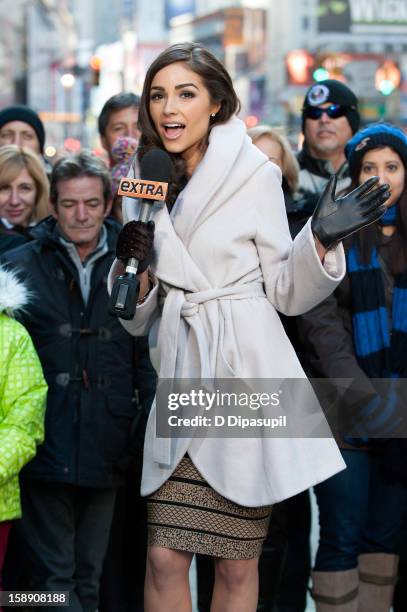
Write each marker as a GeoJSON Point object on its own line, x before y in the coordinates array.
{"type": "Point", "coordinates": [336, 218]}
{"type": "Point", "coordinates": [136, 240]}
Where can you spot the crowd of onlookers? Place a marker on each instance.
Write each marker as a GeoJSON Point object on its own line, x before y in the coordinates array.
{"type": "Point", "coordinates": [75, 388]}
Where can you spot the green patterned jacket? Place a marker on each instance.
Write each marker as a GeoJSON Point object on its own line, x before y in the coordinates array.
{"type": "Point", "coordinates": [22, 396]}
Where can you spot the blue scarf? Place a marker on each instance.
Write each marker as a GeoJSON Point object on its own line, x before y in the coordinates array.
{"type": "Point", "coordinates": [380, 351]}
{"type": "Point", "coordinates": [390, 216]}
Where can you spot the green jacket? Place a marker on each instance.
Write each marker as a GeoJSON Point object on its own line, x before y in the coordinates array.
{"type": "Point", "coordinates": [22, 396]}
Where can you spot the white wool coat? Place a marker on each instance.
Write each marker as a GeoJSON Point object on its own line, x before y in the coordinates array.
{"type": "Point", "coordinates": [225, 264]}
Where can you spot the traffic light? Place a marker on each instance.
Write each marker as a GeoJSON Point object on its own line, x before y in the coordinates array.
{"type": "Point", "coordinates": [320, 74]}
{"type": "Point", "coordinates": [387, 77]}
{"type": "Point", "coordinates": [95, 64]}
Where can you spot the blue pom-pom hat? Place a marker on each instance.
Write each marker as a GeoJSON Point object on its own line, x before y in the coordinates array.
{"type": "Point", "coordinates": [371, 137]}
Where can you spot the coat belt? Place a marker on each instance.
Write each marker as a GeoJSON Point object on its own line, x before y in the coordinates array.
{"type": "Point", "coordinates": [179, 305]}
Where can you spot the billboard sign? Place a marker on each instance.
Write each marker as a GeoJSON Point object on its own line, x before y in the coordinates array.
{"type": "Point", "coordinates": [362, 15]}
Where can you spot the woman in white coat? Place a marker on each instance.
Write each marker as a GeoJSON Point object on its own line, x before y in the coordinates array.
{"type": "Point", "coordinates": [212, 275]}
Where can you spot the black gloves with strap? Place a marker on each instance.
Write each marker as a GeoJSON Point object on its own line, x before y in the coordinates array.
{"type": "Point", "coordinates": [136, 240]}
{"type": "Point", "coordinates": [336, 218]}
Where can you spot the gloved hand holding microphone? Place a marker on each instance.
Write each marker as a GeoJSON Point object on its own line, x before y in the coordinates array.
{"type": "Point", "coordinates": [135, 241]}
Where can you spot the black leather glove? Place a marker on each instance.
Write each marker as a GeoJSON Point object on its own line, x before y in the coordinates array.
{"type": "Point", "coordinates": [136, 240]}
{"type": "Point", "coordinates": [336, 218]}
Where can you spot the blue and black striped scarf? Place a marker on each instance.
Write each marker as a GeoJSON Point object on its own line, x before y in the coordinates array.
{"type": "Point", "coordinates": [380, 351]}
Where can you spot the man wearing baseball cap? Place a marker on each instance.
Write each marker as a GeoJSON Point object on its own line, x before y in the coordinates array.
{"type": "Point", "coordinates": [329, 118]}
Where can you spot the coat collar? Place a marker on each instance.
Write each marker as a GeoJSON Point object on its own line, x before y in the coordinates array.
{"type": "Point", "coordinates": [228, 163]}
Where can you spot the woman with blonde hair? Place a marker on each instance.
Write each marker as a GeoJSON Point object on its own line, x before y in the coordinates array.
{"type": "Point", "coordinates": [275, 145]}
{"type": "Point", "coordinates": [24, 189]}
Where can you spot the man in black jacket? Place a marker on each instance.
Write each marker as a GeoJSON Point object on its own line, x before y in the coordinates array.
{"type": "Point", "coordinates": [69, 489]}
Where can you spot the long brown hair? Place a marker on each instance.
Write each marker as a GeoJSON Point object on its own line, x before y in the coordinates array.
{"type": "Point", "coordinates": [368, 237]}
{"type": "Point", "coordinates": [220, 88]}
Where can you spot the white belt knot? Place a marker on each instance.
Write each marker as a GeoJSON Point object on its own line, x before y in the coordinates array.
{"type": "Point", "coordinates": [189, 309]}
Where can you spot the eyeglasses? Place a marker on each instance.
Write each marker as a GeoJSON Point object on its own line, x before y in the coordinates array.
{"type": "Point", "coordinates": [334, 111]}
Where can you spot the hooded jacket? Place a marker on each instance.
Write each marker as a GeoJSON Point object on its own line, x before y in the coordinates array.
{"type": "Point", "coordinates": [22, 395]}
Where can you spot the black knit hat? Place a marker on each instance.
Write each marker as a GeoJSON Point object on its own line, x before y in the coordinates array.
{"type": "Point", "coordinates": [26, 115]}
{"type": "Point", "coordinates": [375, 135]}
{"type": "Point", "coordinates": [336, 92]}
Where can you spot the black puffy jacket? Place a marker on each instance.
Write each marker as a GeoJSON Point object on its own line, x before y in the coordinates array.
{"type": "Point", "coordinates": [88, 361]}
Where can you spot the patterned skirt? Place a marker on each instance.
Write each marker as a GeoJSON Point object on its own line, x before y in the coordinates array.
{"type": "Point", "coordinates": [185, 513]}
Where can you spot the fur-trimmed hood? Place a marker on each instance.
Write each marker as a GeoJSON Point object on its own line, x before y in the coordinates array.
{"type": "Point", "coordinates": [13, 294]}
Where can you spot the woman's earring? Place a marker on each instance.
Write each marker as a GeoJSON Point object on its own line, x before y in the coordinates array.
{"type": "Point", "coordinates": [213, 115]}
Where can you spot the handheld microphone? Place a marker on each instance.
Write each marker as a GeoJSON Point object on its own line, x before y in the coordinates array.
{"type": "Point", "coordinates": [155, 169]}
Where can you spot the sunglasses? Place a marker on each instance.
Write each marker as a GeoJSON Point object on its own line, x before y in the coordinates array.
{"type": "Point", "coordinates": [334, 111]}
